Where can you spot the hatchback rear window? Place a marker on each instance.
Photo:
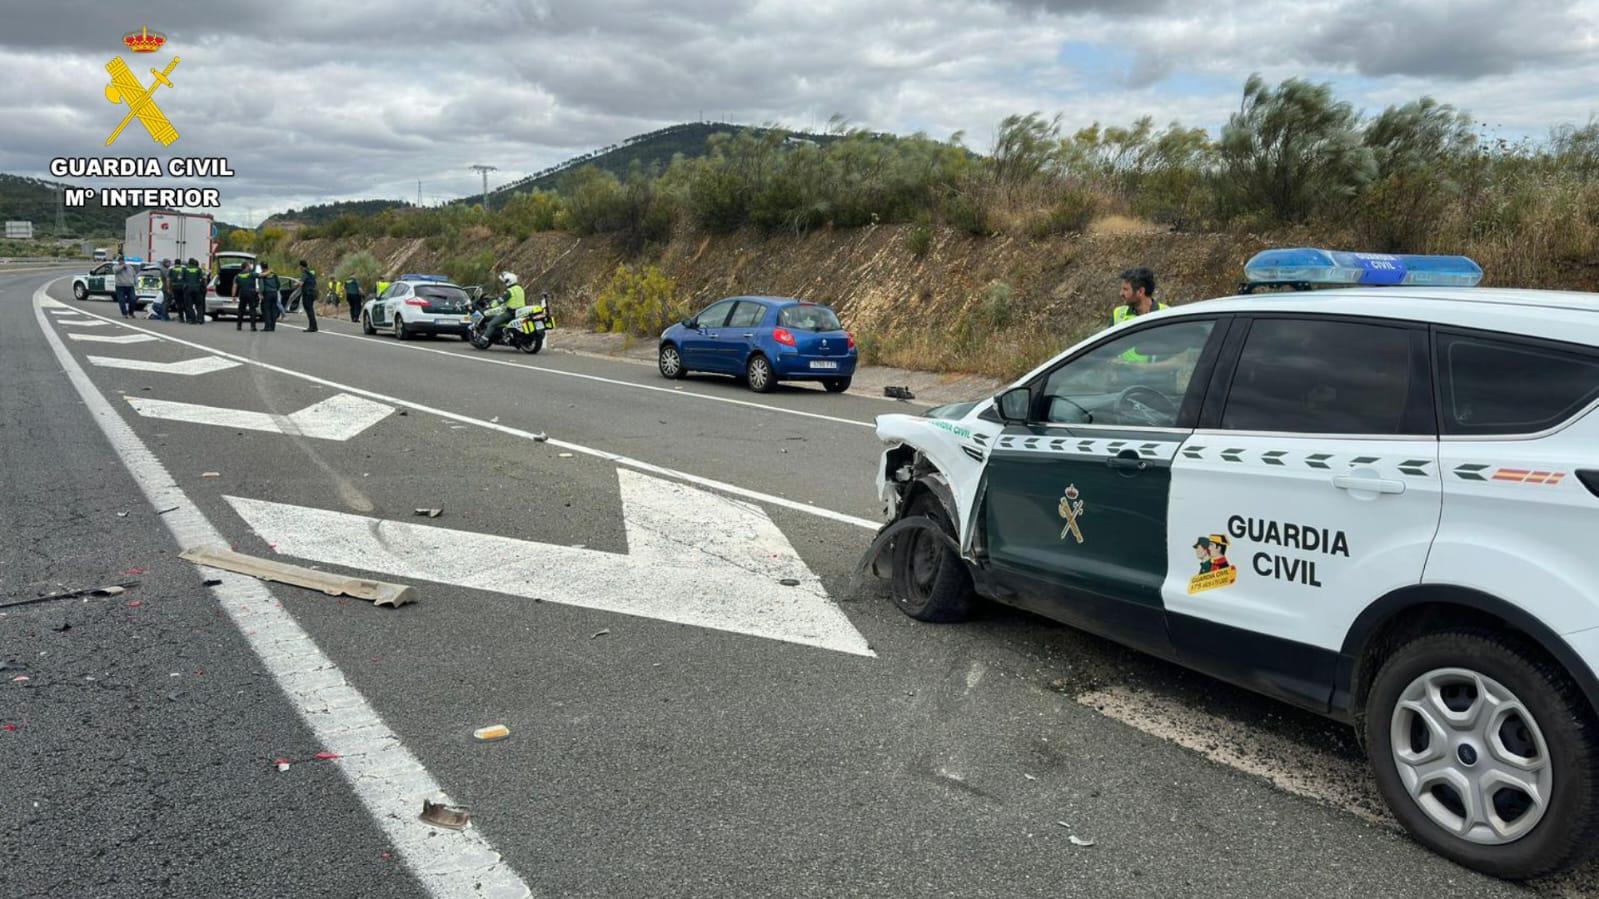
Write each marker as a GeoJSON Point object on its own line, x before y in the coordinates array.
{"type": "Point", "coordinates": [809, 318]}
{"type": "Point", "coordinates": [1493, 386]}
{"type": "Point", "coordinates": [451, 295]}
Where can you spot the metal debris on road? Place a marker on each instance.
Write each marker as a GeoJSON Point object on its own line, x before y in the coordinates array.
{"type": "Point", "coordinates": [491, 733]}
{"type": "Point", "coordinates": [1079, 841]}
{"type": "Point", "coordinates": [210, 475]}
{"type": "Point", "coordinates": [431, 513]}
{"type": "Point", "coordinates": [282, 763]}
{"type": "Point", "coordinates": [565, 455]}
{"type": "Point", "coordinates": [495, 420]}
{"type": "Point", "coordinates": [898, 393]}
{"type": "Point", "coordinates": [20, 679]}
{"type": "Point", "coordinates": [325, 756]}
{"type": "Point", "coordinates": [122, 515]}
{"type": "Point", "coordinates": [789, 582]}
{"type": "Point", "coordinates": [379, 593]}
{"type": "Point", "coordinates": [1029, 777]}
{"type": "Point", "coordinates": [109, 590]}
{"type": "Point", "coordinates": [455, 817]}
{"type": "Point", "coordinates": [213, 582]}
{"type": "Point", "coordinates": [165, 511]}
{"type": "Point", "coordinates": [600, 633]}
{"type": "Point", "coordinates": [540, 437]}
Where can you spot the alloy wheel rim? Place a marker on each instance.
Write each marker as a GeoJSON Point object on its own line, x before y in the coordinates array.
{"type": "Point", "coordinates": [758, 373]}
{"type": "Point", "coordinates": [669, 361]}
{"type": "Point", "coordinates": [1470, 754]}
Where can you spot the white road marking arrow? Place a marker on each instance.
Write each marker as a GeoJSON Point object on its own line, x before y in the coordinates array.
{"type": "Point", "coordinates": [335, 418]}
{"type": "Point", "coordinates": [201, 366]}
{"type": "Point", "coordinates": [693, 558]}
{"type": "Point", "coordinates": [63, 312]}
{"type": "Point", "coordinates": [106, 338]}
{"type": "Point", "coordinates": [82, 322]}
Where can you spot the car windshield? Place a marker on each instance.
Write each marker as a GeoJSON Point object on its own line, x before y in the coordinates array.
{"type": "Point", "coordinates": [809, 317]}
{"type": "Point", "coordinates": [441, 292]}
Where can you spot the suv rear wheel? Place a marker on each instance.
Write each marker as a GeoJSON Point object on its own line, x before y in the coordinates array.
{"type": "Point", "coordinates": [1486, 752]}
{"type": "Point", "coordinates": [930, 582]}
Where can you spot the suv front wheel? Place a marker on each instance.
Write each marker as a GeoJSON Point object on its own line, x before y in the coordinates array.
{"type": "Point", "coordinates": [1486, 752]}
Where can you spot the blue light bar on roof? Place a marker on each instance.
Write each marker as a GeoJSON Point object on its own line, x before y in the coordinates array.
{"type": "Point", "coordinates": [1335, 268]}
{"type": "Point", "coordinates": [423, 278]}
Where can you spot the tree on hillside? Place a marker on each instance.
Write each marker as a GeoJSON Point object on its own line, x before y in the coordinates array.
{"type": "Point", "coordinates": [1291, 150]}
{"type": "Point", "coordinates": [1415, 149]}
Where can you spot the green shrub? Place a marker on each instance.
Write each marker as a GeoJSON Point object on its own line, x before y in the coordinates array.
{"type": "Point", "coordinates": [362, 266]}
{"type": "Point", "coordinates": [639, 302]}
{"type": "Point", "coordinates": [1072, 213]}
{"type": "Point", "coordinates": [919, 240]}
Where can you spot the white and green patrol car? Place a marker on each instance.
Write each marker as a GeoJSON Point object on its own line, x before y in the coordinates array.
{"type": "Point", "coordinates": [98, 281]}
{"type": "Point", "coordinates": [1377, 503]}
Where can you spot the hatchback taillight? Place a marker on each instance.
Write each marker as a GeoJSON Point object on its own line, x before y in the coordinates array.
{"type": "Point", "coordinates": [784, 337]}
{"type": "Point", "coordinates": [851, 336]}
{"type": "Point", "coordinates": [416, 302]}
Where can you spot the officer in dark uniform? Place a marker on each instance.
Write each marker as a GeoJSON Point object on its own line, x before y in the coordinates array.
{"type": "Point", "coordinates": [194, 278]}
{"type": "Point", "coordinates": [249, 294]}
{"type": "Point", "coordinates": [352, 292]}
{"type": "Point", "coordinates": [269, 285]}
{"type": "Point", "coordinates": [308, 295]}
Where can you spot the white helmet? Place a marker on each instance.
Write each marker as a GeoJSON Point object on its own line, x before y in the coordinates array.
{"type": "Point", "coordinates": [507, 278]}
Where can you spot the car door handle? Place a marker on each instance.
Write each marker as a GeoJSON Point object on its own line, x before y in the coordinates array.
{"type": "Point", "coordinates": [1373, 485]}
{"type": "Point", "coordinates": [1127, 461]}
{"type": "Point", "coordinates": [749, 335]}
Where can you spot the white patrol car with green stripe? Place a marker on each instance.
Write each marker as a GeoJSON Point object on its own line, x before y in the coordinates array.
{"type": "Point", "coordinates": [1377, 503]}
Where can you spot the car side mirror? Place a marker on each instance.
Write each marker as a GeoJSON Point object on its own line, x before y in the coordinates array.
{"type": "Point", "coordinates": [1015, 405]}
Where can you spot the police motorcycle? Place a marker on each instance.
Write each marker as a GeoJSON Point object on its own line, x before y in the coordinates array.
{"type": "Point", "coordinates": [525, 331]}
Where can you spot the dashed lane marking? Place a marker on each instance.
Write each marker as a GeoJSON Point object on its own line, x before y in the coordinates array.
{"type": "Point", "coordinates": [201, 366]}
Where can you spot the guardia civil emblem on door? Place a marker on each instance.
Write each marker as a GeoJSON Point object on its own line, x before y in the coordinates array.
{"type": "Point", "coordinates": [1071, 509]}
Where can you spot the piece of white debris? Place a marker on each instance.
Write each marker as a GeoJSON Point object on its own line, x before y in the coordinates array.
{"type": "Point", "coordinates": [1079, 841]}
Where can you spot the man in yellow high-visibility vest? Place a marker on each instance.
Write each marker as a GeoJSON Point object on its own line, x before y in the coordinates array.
{"type": "Point", "coordinates": [1138, 298]}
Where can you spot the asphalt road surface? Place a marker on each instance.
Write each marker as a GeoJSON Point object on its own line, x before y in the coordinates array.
{"type": "Point", "coordinates": [682, 722]}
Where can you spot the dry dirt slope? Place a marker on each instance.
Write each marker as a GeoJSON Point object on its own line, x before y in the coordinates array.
{"type": "Point", "coordinates": [938, 311]}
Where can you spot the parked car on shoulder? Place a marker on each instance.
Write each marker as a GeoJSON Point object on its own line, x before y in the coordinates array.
{"type": "Point", "coordinates": [419, 304]}
{"type": "Point", "coordinates": [219, 295]}
{"type": "Point", "coordinates": [764, 340]}
{"type": "Point", "coordinates": [98, 281]}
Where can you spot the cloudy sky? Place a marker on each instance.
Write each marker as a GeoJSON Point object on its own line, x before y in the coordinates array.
{"type": "Point", "coordinates": [313, 100]}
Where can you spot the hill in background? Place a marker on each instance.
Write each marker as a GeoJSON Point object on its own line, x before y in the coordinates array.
{"type": "Point", "coordinates": [654, 149]}
{"type": "Point", "coordinates": [322, 213]}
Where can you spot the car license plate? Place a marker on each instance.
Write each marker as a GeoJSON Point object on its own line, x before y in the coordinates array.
{"type": "Point", "coordinates": [822, 363]}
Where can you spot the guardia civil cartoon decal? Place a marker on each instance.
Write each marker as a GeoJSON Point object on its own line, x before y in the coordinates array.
{"type": "Point", "coordinates": [1214, 569]}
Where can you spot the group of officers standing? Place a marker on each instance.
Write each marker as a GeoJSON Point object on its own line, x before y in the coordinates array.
{"type": "Point", "coordinates": [182, 291]}
{"type": "Point", "coordinates": [260, 291]}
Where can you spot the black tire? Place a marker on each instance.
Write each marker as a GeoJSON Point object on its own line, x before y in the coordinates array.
{"type": "Point", "coordinates": [400, 332]}
{"type": "Point", "coordinates": [1569, 827]}
{"type": "Point", "coordinates": [80, 292]}
{"type": "Point", "coordinates": [478, 341]}
{"type": "Point", "coordinates": [530, 345]}
{"type": "Point", "coordinates": [836, 385]}
{"type": "Point", "coordinates": [930, 581]}
{"type": "Point", "coordinates": [670, 362]}
{"type": "Point", "coordinates": [366, 324]}
{"type": "Point", "coordinates": [758, 374]}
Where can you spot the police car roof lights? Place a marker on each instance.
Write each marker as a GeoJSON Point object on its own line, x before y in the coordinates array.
{"type": "Point", "coordinates": [1304, 268]}
{"type": "Point", "coordinates": [439, 278]}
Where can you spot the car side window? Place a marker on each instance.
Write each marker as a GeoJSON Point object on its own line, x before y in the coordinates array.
{"type": "Point", "coordinates": [102, 270]}
{"type": "Point", "coordinates": [1323, 376]}
{"type": "Point", "coordinates": [746, 314]}
{"type": "Point", "coordinates": [714, 316]}
{"type": "Point", "coordinates": [1138, 379]}
{"type": "Point", "coordinates": [1490, 386]}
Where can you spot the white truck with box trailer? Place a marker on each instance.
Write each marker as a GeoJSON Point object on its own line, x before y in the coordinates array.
{"type": "Point", "coordinates": [154, 235]}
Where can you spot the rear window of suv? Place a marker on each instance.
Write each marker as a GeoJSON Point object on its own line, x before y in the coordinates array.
{"type": "Point", "coordinates": [809, 318]}
{"type": "Point", "coordinates": [1494, 385]}
{"type": "Point", "coordinates": [451, 296]}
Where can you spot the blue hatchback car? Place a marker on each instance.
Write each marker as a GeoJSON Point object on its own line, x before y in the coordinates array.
{"type": "Point", "coordinates": [764, 340]}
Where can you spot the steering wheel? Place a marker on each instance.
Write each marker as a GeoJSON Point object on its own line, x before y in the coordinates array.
{"type": "Point", "coordinates": [1147, 403]}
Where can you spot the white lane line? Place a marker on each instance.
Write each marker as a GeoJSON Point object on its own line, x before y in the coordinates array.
{"type": "Point", "coordinates": [1290, 766]}
{"type": "Point", "coordinates": [106, 338]}
{"type": "Point", "coordinates": [81, 322]}
{"type": "Point", "coordinates": [201, 366]}
{"type": "Point", "coordinates": [613, 381]}
{"type": "Point", "coordinates": [335, 418]}
{"type": "Point", "coordinates": [387, 778]}
{"type": "Point", "coordinates": [614, 458]}
{"type": "Point", "coordinates": [59, 312]}
{"type": "Point", "coordinates": [693, 557]}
